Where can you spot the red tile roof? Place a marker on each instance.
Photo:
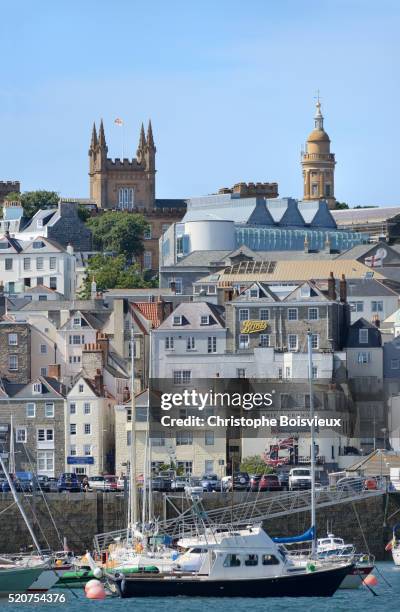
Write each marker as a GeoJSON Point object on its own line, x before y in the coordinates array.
{"type": "Point", "coordinates": [151, 311]}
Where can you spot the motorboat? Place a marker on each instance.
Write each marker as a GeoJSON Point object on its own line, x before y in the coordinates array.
{"type": "Point", "coordinates": [235, 563]}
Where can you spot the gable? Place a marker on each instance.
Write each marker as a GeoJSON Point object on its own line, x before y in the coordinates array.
{"type": "Point", "coordinates": [264, 294]}
{"type": "Point", "coordinates": [305, 292]}
{"type": "Point", "coordinates": [380, 255]}
{"type": "Point", "coordinates": [87, 390]}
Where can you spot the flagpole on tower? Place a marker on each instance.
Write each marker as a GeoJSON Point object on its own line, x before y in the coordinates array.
{"type": "Point", "coordinates": [118, 121]}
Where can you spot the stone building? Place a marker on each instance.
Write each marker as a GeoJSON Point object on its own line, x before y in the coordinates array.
{"type": "Point", "coordinates": [129, 184]}
{"type": "Point", "coordinates": [37, 426]}
{"type": "Point", "coordinates": [319, 163]}
{"type": "Point", "coordinates": [15, 351]}
{"type": "Point", "coordinates": [7, 187]}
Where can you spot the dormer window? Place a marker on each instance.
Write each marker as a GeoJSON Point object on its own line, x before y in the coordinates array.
{"type": "Point", "coordinates": [205, 320]}
{"type": "Point", "coordinates": [363, 336]}
{"type": "Point", "coordinates": [39, 223]}
{"type": "Point", "coordinates": [305, 291]}
{"type": "Point", "coordinates": [177, 320]}
{"type": "Point", "coordinates": [77, 322]}
{"type": "Point", "coordinates": [38, 244]}
{"type": "Point", "coordinates": [254, 292]}
{"type": "Point", "coordinates": [37, 388]}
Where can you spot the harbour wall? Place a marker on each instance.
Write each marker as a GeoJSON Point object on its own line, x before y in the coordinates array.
{"type": "Point", "coordinates": [79, 516]}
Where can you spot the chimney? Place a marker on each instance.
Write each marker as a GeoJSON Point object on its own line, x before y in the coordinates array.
{"type": "Point", "coordinates": [306, 245]}
{"type": "Point", "coordinates": [92, 359]}
{"type": "Point", "coordinates": [377, 321]}
{"type": "Point", "coordinates": [126, 395]}
{"type": "Point", "coordinates": [331, 287]}
{"type": "Point", "coordinates": [103, 341]}
{"type": "Point", "coordinates": [327, 245]}
{"type": "Point", "coordinates": [98, 382]}
{"type": "Point", "coordinates": [93, 289]}
{"type": "Point", "coordinates": [343, 289]}
{"type": "Point", "coordinates": [173, 286]}
{"type": "Point", "coordinates": [54, 371]}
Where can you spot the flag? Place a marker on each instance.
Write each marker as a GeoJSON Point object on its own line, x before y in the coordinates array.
{"type": "Point", "coordinates": [118, 121]}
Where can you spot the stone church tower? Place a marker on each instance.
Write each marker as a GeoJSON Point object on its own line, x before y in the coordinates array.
{"type": "Point", "coordinates": [122, 184]}
{"type": "Point", "coordinates": [319, 164]}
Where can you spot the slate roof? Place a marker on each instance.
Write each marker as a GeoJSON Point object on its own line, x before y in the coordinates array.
{"type": "Point", "coordinates": [370, 287]}
{"type": "Point", "coordinates": [191, 313]}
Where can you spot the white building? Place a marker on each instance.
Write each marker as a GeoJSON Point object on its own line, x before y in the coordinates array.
{"type": "Point", "coordinates": [36, 263]}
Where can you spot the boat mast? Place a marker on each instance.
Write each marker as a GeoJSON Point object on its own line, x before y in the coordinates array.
{"type": "Point", "coordinates": [11, 462]}
{"type": "Point", "coordinates": [312, 432]}
{"type": "Point", "coordinates": [133, 518]}
{"type": "Point", "coordinates": [16, 499]}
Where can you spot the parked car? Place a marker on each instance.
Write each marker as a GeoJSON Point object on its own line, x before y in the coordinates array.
{"type": "Point", "coordinates": [24, 481]}
{"type": "Point", "coordinates": [43, 483]}
{"type": "Point", "coordinates": [210, 482]}
{"type": "Point", "coordinates": [121, 483]}
{"type": "Point", "coordinates": [158, 483]}
{"type": "Point", "coordinates": [194, 487]}
{"type": "Point", "coordinates": [179, 483]}
{"type": "Point", "coordinates": [284, 480]}
{"type": "Point", "coordinates": [110, 483]}
{"type": "Point", "coordinates": [254, 482]}
{"type": "Point", "coordinates": [240, 481]}
{"type": "Point", "coordinates": [97, 483]}
{"type": "Point", "coordinates": [226, 482]}
{"type": "Point", "coordinates": [52, 484]}
{"type": "Point", "coordinates": [68, 482]}
{"type": "Point", "coordinates": [269, 482]}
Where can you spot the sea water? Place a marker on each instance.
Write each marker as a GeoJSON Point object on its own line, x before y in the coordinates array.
{"type": "Point", "coordinates": [387, 599]}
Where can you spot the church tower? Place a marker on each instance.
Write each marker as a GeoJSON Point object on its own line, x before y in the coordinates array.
{"type": "Point", "coordinates": [319, 163]}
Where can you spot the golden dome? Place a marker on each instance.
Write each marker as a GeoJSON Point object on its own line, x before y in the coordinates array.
{"type": "Point", "coordinates": [318, 135]}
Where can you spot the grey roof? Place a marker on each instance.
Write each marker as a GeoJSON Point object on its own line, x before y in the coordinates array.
{"type": "Point", "coordinates": [360, 287]}
{"type": "Point", "coordinates": [55, 305]}
{"type": "Point", "coordinates": [360, 250]}
{"type": "Point", "coordinates": [204, 258]}
{"type": "Point", "coordinates": [191, 313]}
{"type": "Point", "coordinates": [392, 273]}
{"type": "Point", "coordinates": [170, 203]}
{"type": "Point", "coordinates": [44, 215]}
{"type": "Point", "coordinates": [364, 215]}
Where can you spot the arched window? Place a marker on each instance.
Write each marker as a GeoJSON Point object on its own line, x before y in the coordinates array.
{"type": "Point", "coordinates": [126, 198]}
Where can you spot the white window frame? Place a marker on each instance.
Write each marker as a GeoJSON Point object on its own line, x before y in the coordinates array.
{"type": "Point", "coordinates": [21, 439]}
{"type": "Point", "coordinates": [205, 320]}
{"type": "Point", "coordinates": [12, 339]}
{"type": "Point", "coordinates": [294, 347]}
{"type": "Point", "coordinates": [30, 407]}
{"type": "Point", "coordinates": [313, 309]}
{"type": "Point", "coordinates": [315, 341]}
{"type": "Point", "coordinates": [264, 314]}
{"type": "Point", "coordinates": [293, 314]}
{"type": "Point", "coordinates": [13, 367]}
{"type": "Point", "coordinates": [169, 343]}
{"type": "Point", "coordinates": [49, 414]}
{"type": "Point", "coordinates": [363, 336]}
{"type": "Point", "coordinates": [265, 340]}
{"type": "Point", "coordinates": [212, 344]}
{"type": "Point", "coordinates": [190, 343]}
{"type": "Point", "coordinates": [244, 341]}
{"type": "Point", "coordinates": [244, 314]}
{"type": "Point", "coordinates": [87, 429]}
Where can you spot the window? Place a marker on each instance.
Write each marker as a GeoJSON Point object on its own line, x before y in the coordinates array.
{"type": "Point", "coordinates": [280, 374]}
{"type": "Point", "coordinates": [184, 438]}
{"type": "Point", "coordinates": [30, 410]}
{"type": "Point", "coordinates": [305, 291]}
{"type": "Point", "coordinates": [314, 341]}
{"type": "Point", "coordinates": [177, 320]}
{"type": "Point", "coordinates": [45, 461]}
{"type": "Point", "coordinates": [288, 372]}
{"type": "Point", "coordinates": [53, 283]}
{"type": "Point", "coordinates": [38, 244]}
{"type": "Point", "coordinates": [241, 373]}
{"type": "Point", "coordinates": [72, 429]}
{"type": "Point", "coordinates": [39, 263]}
{"type": "Point", "coordinates": [209, 437]}
{"type": "Point", "coordinates": [314, 373]}
{"type": "Point", "coordinates": [53, 263]}
{"type": "Point", "coordinates": [13, 362]}
{"type": "Point", "coordinates": [264, 314]}
{"type": "Point", "coordinates": [125, 198]}
{"type": "Point", "coordinates": [39, 281]}
{"type": "Point", "coordinates": [72, 450]}
{"type": "Point", "coordinates": [251, 560]}
{"type": "Point", "coordinates": [147, 260]}
{"type": "Point", "coordinates": [394, 364]}
{"type": "Point", "coordinates": [77, 322]}
{"type": "Point", "coordinates": [232, 560]}
{"type": "Point", "coordinates": [185, 466]}
{"type": "Point", "coordinates": [314, 189]}
{"type": "Point", "coordinates": [363, 336]}
{"type": "Point", "coordinates": [43, 371]}
{"type": "Point", "coordinates": [292, 314]}
{"type": "Point", "coordinates": [208, 466]}
{"type": "Point", "coordinates": [27, 263]}
{"type": "Point", "coordinates": [45, 435]}
{"type": "Point", "coordinates": [75, 339]}
{"type": "Point", "coordinates": [190, 343]}
{"type": "Point", "coordinates": [49, 410]}
{"type": "Point", "coordinates": [364, 358]}
{"type": "Point", "coordinates": [169, 343]}
{"type": "Point", "coordinates": [182, 377]}
{"type": "Point", "coordinates": [204, 320]}
{"type": "Point", "coordinates": [37, 388]}
{"type": "Point", "coordinates": [159, 439]}
{"type": "Point", "coordinates": [9, 263]}
{"type": "Point", "coordinates": [244, 314]}
{"type": "Point", "coordinates": [270, 560]}
{"type": "Point", "coordinates": [20, 435]}
{"type": "Point", "coordinates": [129, 438]}
{"type": "Point", "coordinates": [307, 403]}
{"type": "Point", "coordinates": [284, 400]}
{"type": "Point", "coordinates": [12, 339]}
{"type": "Point", "coordinates": [292, 342]}
{"type": "Point", "coordinates": [87, 450]}
{"type": "Point", "coordinates": [264, 340]}
{"type": "Point", "coordinates": [313, 314]}
{"type": "Point", "coordinates": [327, 191]}
{"type": "Point", "coordinates": [244, 341]}
{"type": "Point", "coordinates": [43, 349]}
{"type": "Point", "coordinates": [42, 298]}
{"type": "Point", "coordinates": [72, 408]}
{"type": "Point", "coordinates": [212, 344]}
{"type": "Point", "coordinates": [80, 388]}
{"type": "Point", "coordinates": [87, 429]}
{"type": "Point", "coordinates": [377, 306]}
{"type": "Point", "coordinates": [356, 306]}
{"type": "Point", "coordinates": [86, 408]}
{"type": "Point", "coordinates": [254, 292]}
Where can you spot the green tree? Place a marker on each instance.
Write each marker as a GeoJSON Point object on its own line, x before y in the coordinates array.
{"type": "Point", "coordinates": [32, 201]}
{"type": "Point", "coordinates": [254, 464]}
{"type": "Point", "coordinates": [341, 206]}
{"type": "Point", "coordinates": [113, 272]}
{"type": "Point", "coordinates": [118, 232]}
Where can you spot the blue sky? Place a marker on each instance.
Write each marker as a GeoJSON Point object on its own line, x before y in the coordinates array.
{"type": "Point", "coordinates": [229, 86]}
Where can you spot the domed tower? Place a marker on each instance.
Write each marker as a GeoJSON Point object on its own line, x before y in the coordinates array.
{"type": "Point", "coordinates": [319, 163]}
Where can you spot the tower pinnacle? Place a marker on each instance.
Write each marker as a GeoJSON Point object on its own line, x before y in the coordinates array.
{"type": "Point", "coordinates": [142, 145]}
{"type": "Point", "coordinates": [93, 143]}
{"type": "Point", "coordinates": [102, 137]}
{"type": "Point", "coordinates": [150, 140]}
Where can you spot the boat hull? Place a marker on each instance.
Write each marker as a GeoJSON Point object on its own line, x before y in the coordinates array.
{"type": "Point", "coordinates": [47, 579]}
{"type": "Point", "coordinates": [322, 583]}
{"type": "Point", "coordinates": [18, 580]}
{"type": "Point", "coordinates": [355, 578]}
{"type": "Point", "coordinates": [396, 555]}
